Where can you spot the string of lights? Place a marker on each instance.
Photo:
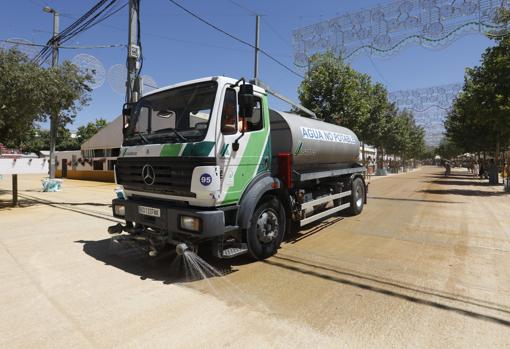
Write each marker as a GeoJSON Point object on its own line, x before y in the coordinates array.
{"type": "Point", "coordinates": [385, 29]}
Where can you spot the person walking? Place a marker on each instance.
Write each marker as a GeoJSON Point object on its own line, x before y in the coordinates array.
{"type": "Point", "coordinates": [448, 168]}
{"type": "Point", "coordinates": [493, 172]}
{"type": "Point", "coordinates": [476, 169]}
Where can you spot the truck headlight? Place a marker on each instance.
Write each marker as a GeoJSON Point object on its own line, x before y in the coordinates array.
{"type": "Point", "coordinates": [190, 223]}
{"type": "Point", "coordinates": [120, 210]}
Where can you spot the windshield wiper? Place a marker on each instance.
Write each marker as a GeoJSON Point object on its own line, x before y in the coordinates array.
{"type": "Point", "coordinates": [181, 137]}
{"type": "Point", "coordinates": [141, 136]}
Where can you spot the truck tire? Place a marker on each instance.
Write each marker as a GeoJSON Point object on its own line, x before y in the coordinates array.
{"type": "Point", "coordinates": [267, 228]}
{"type": "Point", "coordinates": [357, 197]}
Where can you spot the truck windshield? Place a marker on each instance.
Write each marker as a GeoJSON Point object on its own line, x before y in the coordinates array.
{"type": "Point", "coordinates": [178, 115]}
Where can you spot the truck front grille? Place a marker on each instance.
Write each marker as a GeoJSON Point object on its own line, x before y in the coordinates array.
{"type": "Point", "coordinates": [172, 175]}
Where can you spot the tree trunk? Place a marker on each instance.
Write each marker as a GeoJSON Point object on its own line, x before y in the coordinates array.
{"type": "Point", "coordinates": [496, 156]}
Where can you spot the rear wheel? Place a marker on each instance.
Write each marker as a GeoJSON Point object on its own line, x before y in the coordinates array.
{"type": "Point", "coordinates": [357, 196]}
{"type": "Point", "coordinates": [267, 228]}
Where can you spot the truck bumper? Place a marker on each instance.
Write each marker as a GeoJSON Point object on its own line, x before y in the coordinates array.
{"type": "Point", "coordinates": [211, 222]}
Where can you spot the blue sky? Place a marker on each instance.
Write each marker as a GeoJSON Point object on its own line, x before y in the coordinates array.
{"type": "Point", "coordinates": [177, 47]}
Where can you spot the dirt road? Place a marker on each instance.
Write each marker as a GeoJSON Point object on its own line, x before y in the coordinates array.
{"type": "Point", "coordinates": [426, 265]}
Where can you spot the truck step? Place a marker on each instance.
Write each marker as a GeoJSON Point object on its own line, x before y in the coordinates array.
{"type": "Point", "coordinates": [234, 250]}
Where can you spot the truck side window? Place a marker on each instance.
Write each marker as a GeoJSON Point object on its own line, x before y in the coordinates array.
{"type": "Point", "coordinates": [229, 113]}
{"type": "Point", "coordinates": [255, 123]}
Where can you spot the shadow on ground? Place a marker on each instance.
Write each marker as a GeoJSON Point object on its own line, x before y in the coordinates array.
{"type": "Point", "coordinates": [5, 204]}
{"type": "Point", "coordinates": [167, 267]}
{"type": "Point", "coordinates": [455, 176]}
{"type": "Point", "coordinates": [414, 200]}
{"type": "Point", "coordinates": [463, 192]}
{"type": "Point", "coordinates": [458, 182]}
{"type": "Point", "coordinates": [392, 288]}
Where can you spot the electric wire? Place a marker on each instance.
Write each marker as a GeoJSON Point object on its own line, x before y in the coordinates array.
{"type": "Point", "coordinates": [101, 11]}
{"type": "Point", "coordinates": [243, 7]}
{"type": "Point", "coordinates": [77, 47]}
{"type": "Point", "coordinates": [265, 53]}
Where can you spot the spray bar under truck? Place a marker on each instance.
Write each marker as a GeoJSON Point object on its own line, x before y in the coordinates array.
{"type": "Point", "coordinates": [208, 163]}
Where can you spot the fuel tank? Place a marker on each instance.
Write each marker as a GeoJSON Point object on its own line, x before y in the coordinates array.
{"type": "Point", "coordinates": [314, 144]}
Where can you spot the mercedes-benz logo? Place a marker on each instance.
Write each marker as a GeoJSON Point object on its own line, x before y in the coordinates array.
{"type": "Point", "coordinates": [148, 174]}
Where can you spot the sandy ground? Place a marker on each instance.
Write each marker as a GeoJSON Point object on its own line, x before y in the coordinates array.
{"type": "Point", "coordinates": [426, 265]}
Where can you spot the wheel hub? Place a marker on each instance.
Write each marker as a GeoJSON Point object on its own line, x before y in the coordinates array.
{"type": "Point", "coordinates": [267, 226]}
{"type": "Point", "coordinates": [359, 196]}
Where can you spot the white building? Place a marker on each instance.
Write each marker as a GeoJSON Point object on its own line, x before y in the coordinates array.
{"type": "Point", "coordinates": [97, 157]}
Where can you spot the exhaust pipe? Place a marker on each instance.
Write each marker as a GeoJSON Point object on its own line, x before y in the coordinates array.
{"type": "Point", "coordinates": [181, 248]}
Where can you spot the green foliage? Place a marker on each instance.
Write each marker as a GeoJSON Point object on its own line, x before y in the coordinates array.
{"type": "Point", "coordinates": [36, 139]}
{"type": "Point", "coordinates": [448, 149]}
{"type": "Point", "coordinates": [86, 132]}
{"type": "Point", "coordinates": [480, 116]}
{"type": "Point", "coordinates": [22, 90]}
{"type": "Point", "coordinates": [339, 94]}
{"type": "Point", "coordinates": [404, 137]}
{"type": "Point", "coordinates": [30, 93]}
{"type": "Point", "coordinates": [336, 92]}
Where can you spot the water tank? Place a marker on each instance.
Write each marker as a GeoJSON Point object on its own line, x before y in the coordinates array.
{"type": "Point", "coordinates": [314, 144]}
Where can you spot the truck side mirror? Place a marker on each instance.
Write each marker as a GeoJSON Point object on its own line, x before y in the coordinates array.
{"type": "Point", "coordinates": [246, 105]}
{"type": "Point", "coordinates": [127, 110]}
{"type": "Point", "coordinates": [246, 100]}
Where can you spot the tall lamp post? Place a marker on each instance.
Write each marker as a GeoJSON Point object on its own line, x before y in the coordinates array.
{"type": "Point", "coordinates": [54, 62]}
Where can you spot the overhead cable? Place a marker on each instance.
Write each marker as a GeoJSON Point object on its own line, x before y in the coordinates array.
{"type": "Point", "coordinates": [101, 11]}
{"type": "Point", "coordinates": [77, 47]}
{"type": "Point", "coordinates": [265, 53]}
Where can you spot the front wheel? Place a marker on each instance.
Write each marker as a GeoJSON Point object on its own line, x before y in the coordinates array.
{"type": "Point", "coordinates": [267, 228]}
{"type": "Point", "coordinates": [357, 196]}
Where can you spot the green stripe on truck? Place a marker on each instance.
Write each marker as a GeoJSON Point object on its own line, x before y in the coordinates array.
{"type": "Point", "coordinates": [198, 149]}
{"type": "Point", "coordinates": [171, 149]}
{"type": "Point", "coordinates": [190, 149]}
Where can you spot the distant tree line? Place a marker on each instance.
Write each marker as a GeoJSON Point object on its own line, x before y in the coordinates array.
{"type": "Point", "coordinates": [36, 139]}
{"type": "Point", "coordinates": [341, 95]}
{"type": "Point", "coordinates": [479, 120]}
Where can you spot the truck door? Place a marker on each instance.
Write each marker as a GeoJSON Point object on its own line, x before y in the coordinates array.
{"type": "Point", "coordinates": [239, 167]}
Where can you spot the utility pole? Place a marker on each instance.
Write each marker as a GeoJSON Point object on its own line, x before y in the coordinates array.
{"type": "Point", "coordinates": [133, 85]}
{"type": "Point", "coordinates": [257, 32]}
{"type": "Point", "coordinates": [54, 63]}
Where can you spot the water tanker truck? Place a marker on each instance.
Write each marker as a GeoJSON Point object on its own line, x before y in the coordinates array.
{"type": "Point", "coordinates": [208, 163]}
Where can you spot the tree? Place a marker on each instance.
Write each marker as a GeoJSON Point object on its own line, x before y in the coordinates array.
{"type": "Point", "coordinates": [404, 137]}
{"type": "Point", "coordinates": [86, 132]}
{"type": "Point", "coordinates": [339, 94]}
{"type": "Point", "coordinates": [22, 87]}
{"type": "Point", "coordinates": [480, 117]}
{"type": "Point", "coordinates": [380, 117]}
{"type": "Point", "coordinates": [37, 139]}
{"type": "Point", "coordinates": [34, 140]}
{"type": "Point", "coordinates": [30, 93]}
{"type": "Point", "coordinates": [67, 92]}
{"type": "Point", "coordinates": [336, 92]}
{"type": "Point", "coordinates": [448, 149]}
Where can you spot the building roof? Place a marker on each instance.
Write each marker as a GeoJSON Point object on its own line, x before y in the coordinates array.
{"type": "Point", "coordinates": [109, 136]}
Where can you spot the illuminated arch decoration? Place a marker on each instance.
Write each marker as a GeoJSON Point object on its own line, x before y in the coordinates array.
{"type": "Point", "coordinates": [386, 29]}
{"type": "Point", "coordinates": [430, 106]}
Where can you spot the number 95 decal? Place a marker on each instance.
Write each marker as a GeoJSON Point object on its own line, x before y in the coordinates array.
{"type": "Point", "coordinates": [205, 179]}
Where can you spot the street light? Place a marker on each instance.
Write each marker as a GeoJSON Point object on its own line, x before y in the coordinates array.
{"type": "Point", "coordinates": [54, 62]}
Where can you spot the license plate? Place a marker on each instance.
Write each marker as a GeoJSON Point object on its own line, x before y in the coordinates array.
{"type": "Point", "coordinates": [149, 211]}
